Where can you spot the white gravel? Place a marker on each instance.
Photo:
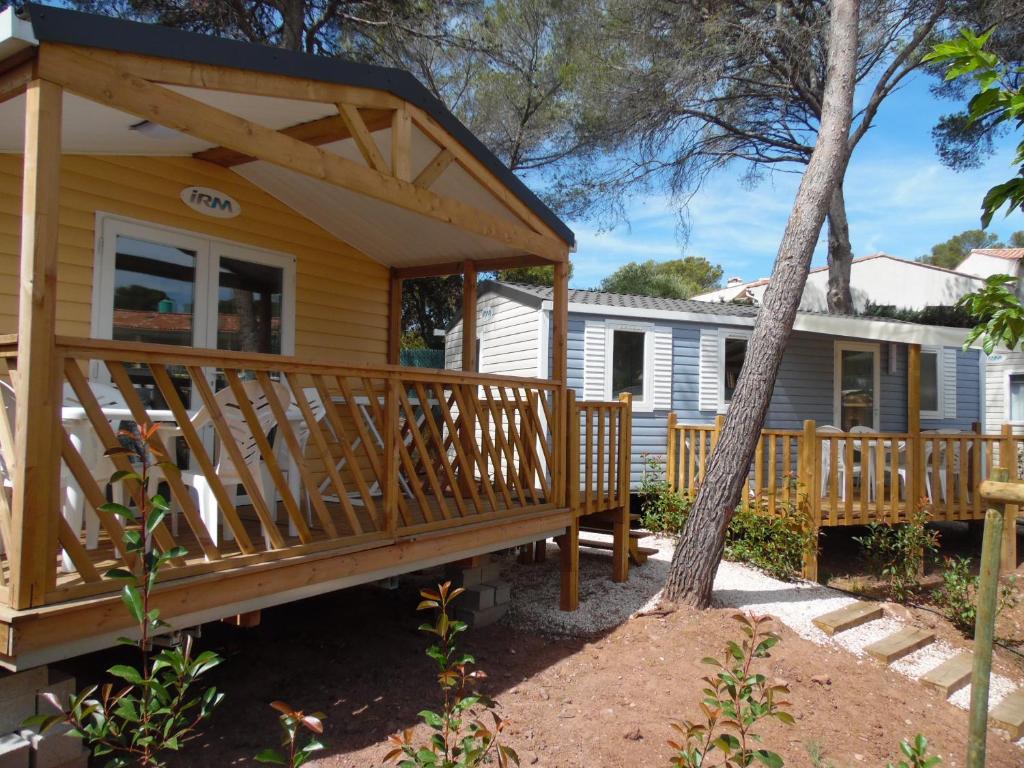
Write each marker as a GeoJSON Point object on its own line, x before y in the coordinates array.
{"type": "Point", "coordinates": [604, 605]}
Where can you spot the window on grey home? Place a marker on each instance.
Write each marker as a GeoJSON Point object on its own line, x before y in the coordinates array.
{"type": "Point", "coordinates": [930, 382]}
{"type": "Point", "coordinates": [628, 362]}
{"type": "Point", "coordinates": [1016, 394]}
{"type": "Point", "coordinates": [735, 353]}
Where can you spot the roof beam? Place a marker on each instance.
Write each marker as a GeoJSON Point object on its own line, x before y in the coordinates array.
{"type": "Point", "coordinates": [15, 79]}
{"type": "Point", "coordinates": [219, 78]}
{"type": "Point", "coordinates": [434, 169]}
{"type": "Point", "coordinates": [456, 267]}
{"type": "Point", "coordinates": [363, 137]}
{"type": "Point", "coordinates": [128, 92]}
{"type": "Point", "coordinates": [326, 130]}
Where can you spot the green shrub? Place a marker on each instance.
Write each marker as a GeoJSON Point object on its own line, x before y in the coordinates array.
{"type": "Point", "coordinates": [774, 543]}
{"type": "Point", "coordinates": [662, 509]}
{"type": "Point", "coordinates": [897, 552]}
{"type": "Point", "coordinates": [154, 710]}
{"type": "Point", "coordinates": [292, 722]}
{"type": "Point", "coordinates": [916, 754]}
{"type": "Point", "coordinates": [957, 599]}
{"type": "Point", "coordinates": [736, 698]}
{"type": "Point", "coordinates": [460, 738]}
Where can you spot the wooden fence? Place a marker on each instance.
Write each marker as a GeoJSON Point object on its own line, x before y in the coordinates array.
{"type": "Point", "coordinates": [853, 478]}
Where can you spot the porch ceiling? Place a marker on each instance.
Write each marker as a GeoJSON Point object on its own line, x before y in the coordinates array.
{"type": "Point", "coordinates": [387, 233]}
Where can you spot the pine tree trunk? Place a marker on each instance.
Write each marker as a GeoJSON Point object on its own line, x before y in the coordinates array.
{"type": "Point", "coordinates": [700, 548]}
{"type": "Point", "coordinates": [840, 255]}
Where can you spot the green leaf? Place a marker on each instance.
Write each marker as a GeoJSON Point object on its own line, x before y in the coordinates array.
{"type": "Point", "coordinates": [127, 673]}
{"type": "Point", "coordinates": [769, 759]}
{"type": "Point", "coordinates": [132, 598]}
{"type": "Point", "coordinates": [117, 509]}
{"type": "Point", "coordinates": [271, 756]}
{"type": "Point", "coordinates": [124, 474]}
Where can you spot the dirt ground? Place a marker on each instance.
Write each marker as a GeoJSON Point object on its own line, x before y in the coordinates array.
{"type": "Point", "coordinates": [607, 701]}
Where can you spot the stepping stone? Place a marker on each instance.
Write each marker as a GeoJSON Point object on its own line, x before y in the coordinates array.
{"type": "Point", "coordinates": [1009, 714]}
{"type": "Point", "coordinates": [847, 617]}
{"type": "Point", "coordinates": [951, 675]}
{"type": "Point", "coordinates": [900, 644]}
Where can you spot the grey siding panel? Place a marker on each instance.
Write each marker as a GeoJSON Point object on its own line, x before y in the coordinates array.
{"type": "Point", "coordinates": [803, 388]}
{"type": "Point", "coordinates": [575, 355]}
{"type": "Point", "coordinates": [893, 405]}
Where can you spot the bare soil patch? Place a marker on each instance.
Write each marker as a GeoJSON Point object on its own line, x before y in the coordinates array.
{"type": "Point", "coordinates": [603, 700]}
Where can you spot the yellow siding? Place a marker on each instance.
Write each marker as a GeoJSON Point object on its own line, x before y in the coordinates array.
{"type": "Point", "coordinates": [341, 302]}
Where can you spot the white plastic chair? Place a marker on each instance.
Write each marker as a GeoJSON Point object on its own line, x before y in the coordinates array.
{"type": "Point", "coordinates": [945, 463]}
{"type": "Point", "coordinates": [6, 479]}
{"type": "Point", "coordinates": [826, 461]}
{"type": "Point", "coordinates": [872, 469]}
{"type": "Point", "coordinates": [244, 438]}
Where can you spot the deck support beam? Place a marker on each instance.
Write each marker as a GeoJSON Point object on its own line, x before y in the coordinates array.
{"type": "Point", "coordinates": [569, 566]}
{"type": "Point", "coordinates": [916, 474]}
{"type": "Point", "coordinates": [394, 319]}
{"type": "Point", "coordinates": [38, 383]}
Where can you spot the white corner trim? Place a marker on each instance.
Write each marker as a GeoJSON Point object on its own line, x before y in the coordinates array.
{"type": "Point", "coordinates": [16, 34]}
{"type": "Point", "coordinates": [543, 331]}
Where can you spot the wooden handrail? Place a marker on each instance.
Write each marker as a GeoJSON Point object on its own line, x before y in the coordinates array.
{"type": "Point", "coordinates": [136, 352]}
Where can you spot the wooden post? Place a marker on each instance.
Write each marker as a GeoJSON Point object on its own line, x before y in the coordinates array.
{"type": "Point", "coordinates": [807, 480]}
{"type": "Point", "coordinates": [391, 458]}
{"type": "Point", "coordinates": [915, 450]}
{"type": "Point", "coordinates": [1008, 460]}
{"type": "Point", "coordinates": [719, 424]}
{"type": "Point", "coordinates": [620, 527]}
{"type": "Point", "coordinates": [563, 429]}
{"type": "Point", "coordinates": [569, 566]}
{"type": "Point", "coordinates": [670, 457]}
{"type": "Point", "coordinates": [984, 627]}
{"type": "Point", "coordinates": [469, 361]}
{"type": "Point", "coordinates": [36, 474]}
{"type": "Point", "coordinates": [394, 319]}
{"type": "Point", "coordinates": [572, 461]}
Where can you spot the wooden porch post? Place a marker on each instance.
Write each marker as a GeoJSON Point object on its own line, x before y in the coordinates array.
{"type": "Point", "coordinates": [394, 319]}
{"type": "Point", "coordinates": [808, 469]}
{"type": "Point", "coordinates": [566, 472]}
{"type": "Point", "coordinates": [469, 361]}
{"type": "Point", "coordinates": [1008, 460]}
{"type": "Point", "coordinates": [915, 477]}
{"type": "Point", "coordinates": [38, 384]}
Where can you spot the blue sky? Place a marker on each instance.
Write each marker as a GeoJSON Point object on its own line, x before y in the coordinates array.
{"type": "Point", "coordinates": [900, 200]}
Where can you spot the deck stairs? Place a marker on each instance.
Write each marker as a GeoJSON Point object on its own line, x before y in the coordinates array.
{"type": "Point", "coordinates": [946, 678]}
{"type": "Point", "coordinates": [603, 523]}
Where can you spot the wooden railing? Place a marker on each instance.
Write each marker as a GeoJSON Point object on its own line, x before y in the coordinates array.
{"type": "Point", "coordinates": [852, 478]}
{"type": "Point", "coordinates": [602, 450]}
{"type": "Point", "coordinates": [281, 457]}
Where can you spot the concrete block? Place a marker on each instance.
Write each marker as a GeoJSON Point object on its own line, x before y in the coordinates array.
{"type": "Point", "coordinates": [54, 747]}
{"type": "Point", "coordinates": [465, 577]}
{"type": "Point", "coordinates": [14, 710]}
{"type": "Point", "coordinates": [14, 751]}
{"type": "Point", "coordinates": [502, 592]}
{"type": "Point", "coordinates": [482, 618]}
{"type": "Point", "coordinates": [476, 598]}
{"type": "Point", "coordinates": [490, 572]}
{"type": "Point", "coordinates": [19, 683]}
{"type": "Point", "coordinates": [60, 685]}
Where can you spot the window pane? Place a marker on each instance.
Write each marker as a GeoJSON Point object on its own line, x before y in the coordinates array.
{"type": "Point", "coordinates": [857, 389]}
{"type": "Point", "coordinates": [1017, 397]}
{"type": "Point", "coordinates": [249, 306]}
{"type": "Point", "coordinates": [154, 300]}
{"type": "Point", "coordinates": [735, 352]}
{"type": "Point", "coordinates": [628, 363]}
{"type": "Point", "coordinates": [929, 381]}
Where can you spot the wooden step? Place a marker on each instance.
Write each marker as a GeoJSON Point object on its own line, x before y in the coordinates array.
{"type": "Point", "coordinates": [1008, 714]}
{"type": "Point", "coordinates": [951, 675]}
{"type": "Point", "coordinates": [900, 644]}
{"type": "Point", "coordinates": [633, 534]}
{"type": "Point", "coordinates": [637, 554]}
{"type": "Point", "coordinates": [847, 617]}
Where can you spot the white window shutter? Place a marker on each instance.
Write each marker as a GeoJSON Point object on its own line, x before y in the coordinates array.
{"type": "Point", "coordinates": [949, 382]}
{"type": "Point", "coordinates": [710, 379]}
{"type": "Point", "coordinates": [594, 342]}
{"type": "Point", "coordinates": [662, 368]}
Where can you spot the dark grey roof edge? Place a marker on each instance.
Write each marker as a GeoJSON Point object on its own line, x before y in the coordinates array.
{"type": "Point", "coordinates": [61, 25]}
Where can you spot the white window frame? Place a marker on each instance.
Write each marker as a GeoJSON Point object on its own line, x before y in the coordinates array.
{"type": "Point", "coordinates": [1006, 397]}
{"type": "Point", "coordinates": [208, 250]}
{"type": "Point", "coordinates": [645, 403]}
{"type": "Point", "coordinates": [940, 386]}
{"type": "Point", "coordinates": [723, 335]}
{"type": "Point", "coordinates": [837, 362]}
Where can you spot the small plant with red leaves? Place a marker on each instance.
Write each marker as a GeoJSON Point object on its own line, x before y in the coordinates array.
{"type": "Point", "coordinates": [292, 722]}
{"type": "Point", "coordinates": [460, 738]}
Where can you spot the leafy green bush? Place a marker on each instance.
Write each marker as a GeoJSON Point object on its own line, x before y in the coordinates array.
{"type": "Point", "coordinates": [662, 509]}
{"type": "Point", "coordinates": [774, 543]}
{"type": "Point", "coordinates": [292, 721]}
{"type": "Point", "coordinates": [898, 552]}
{"type": "Point", "coordinates": [460, 737]}
{"type": "Point", "coordinates": [736, 699]}
{"type": "Point", "coordinates": [156, 712]}
{"type": "Point", "coordinates": [957, 599]}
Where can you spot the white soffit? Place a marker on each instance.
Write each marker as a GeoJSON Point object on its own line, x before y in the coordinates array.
{"type": "Point", "coordinates": [388, 234]}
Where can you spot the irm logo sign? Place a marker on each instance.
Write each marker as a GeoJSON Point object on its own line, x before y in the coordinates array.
{"type": "Point", "coordinates": [210, 202]}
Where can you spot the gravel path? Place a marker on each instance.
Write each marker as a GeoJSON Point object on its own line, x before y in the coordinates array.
{"type": "Point", "coordinates": [604, 604]}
